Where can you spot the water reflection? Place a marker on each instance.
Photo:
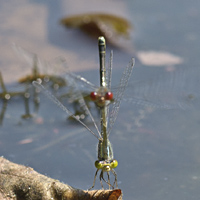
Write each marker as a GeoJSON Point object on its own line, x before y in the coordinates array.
{"type": "Point", "coordinates": [6, 95]}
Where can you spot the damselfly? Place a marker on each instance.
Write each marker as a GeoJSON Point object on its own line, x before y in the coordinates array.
{"type": "Point", "coordinates": [102, 97]}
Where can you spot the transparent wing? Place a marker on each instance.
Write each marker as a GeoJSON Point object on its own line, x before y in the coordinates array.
{"type": "Point", "coordinates": [167, 91]}
{"type": "Point", "coordinates": [39, 67]}
{"type": "Point", "coordinates": [83, 81]}
{"type": "Point", "coordinates": [31, 58]}
{"type": "Point", "coordinates": [79, 81]}
{"type": "Point", "coordinates": [58, 103]}
{"type": "Point", "coordinates": [119, 95]}
{"type": "Point", "coordinates": [79, 95]}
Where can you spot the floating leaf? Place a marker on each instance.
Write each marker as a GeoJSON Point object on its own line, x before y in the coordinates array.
{"type": "Point", "coordinates": [109, 26]}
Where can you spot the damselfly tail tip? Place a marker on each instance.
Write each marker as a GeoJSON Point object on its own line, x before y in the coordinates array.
{"type": "Point", "coordinates": [101, 40]}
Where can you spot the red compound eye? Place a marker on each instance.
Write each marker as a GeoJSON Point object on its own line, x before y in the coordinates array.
{"type": "Point", "coordinates": [93, 96]}
{"type": "Point", "coordinates": [109, 96]}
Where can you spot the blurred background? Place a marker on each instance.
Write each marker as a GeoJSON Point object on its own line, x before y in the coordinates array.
{"type": "Point", "coordinates": [156, 135]}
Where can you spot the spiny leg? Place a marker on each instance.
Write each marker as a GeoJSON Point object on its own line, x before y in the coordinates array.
{"type": "Point", "coordinates": [108, 179]}
{"type": "Point", "coordinates": [101, 177]}
{"type": "Point", "coordinates": [95, 176]}
{"type": "Point", "coordinates": [115, 182]}
{"type": "Point", "coordinates": [108, 182]}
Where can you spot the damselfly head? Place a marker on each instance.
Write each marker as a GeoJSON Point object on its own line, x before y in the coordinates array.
{"type": "Point", "coordinates": [109, 96]}
{"type": "Point", "coordinates": [101, 97]}
{"type": "Point", "coordinates": [105, 165]}
{"type": "Point", "coordinates": [93, 96]}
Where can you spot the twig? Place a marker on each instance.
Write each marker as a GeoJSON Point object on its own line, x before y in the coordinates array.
{"type": "Point", "coordinates": [18, 182]}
